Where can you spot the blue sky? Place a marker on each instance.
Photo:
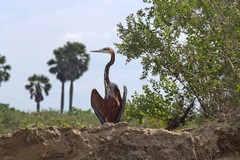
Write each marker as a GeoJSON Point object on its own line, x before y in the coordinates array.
{"type": "Point", "coordinates": [31, 29]}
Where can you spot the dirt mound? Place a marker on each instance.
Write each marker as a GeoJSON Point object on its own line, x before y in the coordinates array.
{"type": "Point", "coordinates": [118, 141]}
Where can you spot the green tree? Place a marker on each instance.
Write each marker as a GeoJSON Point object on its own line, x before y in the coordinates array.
{"type": "Point", "coordinates": [70, 64]}
{"type": "Point", "coordinates": [38, 84]}
{"type": "Point", "coordinates": [191, 48]}
{"type": "Point", "coordinates": [4, 70]}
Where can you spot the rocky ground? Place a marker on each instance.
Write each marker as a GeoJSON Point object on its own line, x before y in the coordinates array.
{"type": "Point", "coordinates": [220, 141]}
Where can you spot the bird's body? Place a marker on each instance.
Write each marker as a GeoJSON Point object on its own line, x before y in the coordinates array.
{"type": "Point", "coordinates": [111, 107]}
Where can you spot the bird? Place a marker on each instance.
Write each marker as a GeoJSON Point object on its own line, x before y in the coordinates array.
{"type": "Point", "coordinates": [112, 106]}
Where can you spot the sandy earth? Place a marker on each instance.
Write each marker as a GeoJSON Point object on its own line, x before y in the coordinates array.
{"type": "Point", "coordinates": [118, 141]}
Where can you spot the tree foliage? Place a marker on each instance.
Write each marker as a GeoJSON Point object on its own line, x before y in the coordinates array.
{"type": "Point", "coordinates": [38, 84]}
{"type": "Point", "coordinates": [191, 48]}
{"type": "Point", "coordinates": [4, 70]}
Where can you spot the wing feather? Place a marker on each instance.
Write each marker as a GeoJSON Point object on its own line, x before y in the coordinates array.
{"type": "Point", "coordinates": [97, 103]}
{"type": "Point", "coordinates": [123, 104]}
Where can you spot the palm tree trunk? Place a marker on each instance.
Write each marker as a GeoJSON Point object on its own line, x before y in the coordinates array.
{"type": "Point", "coordinates": [62, 97]}
{"type": "Point", "coordinates": [38, 107]}
{"type": "Point", "coordinates": [70, 96]}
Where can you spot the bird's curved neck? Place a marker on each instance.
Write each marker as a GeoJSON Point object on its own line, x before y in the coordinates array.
{"type": "Point", "coordinates": [107, 67]}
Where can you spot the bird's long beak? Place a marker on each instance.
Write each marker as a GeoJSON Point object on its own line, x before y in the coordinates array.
{"type": "Point", "coordinates": [99, 51]}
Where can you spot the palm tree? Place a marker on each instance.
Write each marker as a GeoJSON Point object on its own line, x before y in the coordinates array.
{"type": "Point", "coordinates": [78, 61]}
{"type": "Point", "coordinates": [70, 62]}
{"type": "Point", "coordinates": [37, 83]}
{"type": "Point", "coordinates": [58, 66]}
{"type": "Point", "coordinates": [58, 69]}
{"type": "Point", "coordinates": [4, 75]}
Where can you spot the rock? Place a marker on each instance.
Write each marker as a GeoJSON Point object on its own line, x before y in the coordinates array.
{"type": "Point", "coordinates": [220, 142]}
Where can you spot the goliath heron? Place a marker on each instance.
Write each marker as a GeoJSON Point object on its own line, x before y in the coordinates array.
{"type": "Point", "coordinates": [111, 107]}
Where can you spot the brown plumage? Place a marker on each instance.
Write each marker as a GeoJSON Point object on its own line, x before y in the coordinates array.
{"type": "Point", "coordinates": [111, 107]}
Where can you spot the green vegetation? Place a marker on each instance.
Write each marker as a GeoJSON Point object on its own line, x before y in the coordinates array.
{"type": "Point", "coordinates": [189, 51]}
{"type": "Point", "coordinates": [12, 119]}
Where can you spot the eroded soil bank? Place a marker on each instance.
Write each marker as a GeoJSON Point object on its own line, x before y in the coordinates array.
{"type": "Point", "coordinates": [118, 141]}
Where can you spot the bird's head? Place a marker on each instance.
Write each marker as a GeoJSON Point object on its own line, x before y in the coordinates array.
{"type": "Point", "coordinates": [104, 50]}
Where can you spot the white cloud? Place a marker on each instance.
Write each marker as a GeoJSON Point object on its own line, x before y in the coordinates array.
{"type": "Point", "coordinates": [76, 35]}
{"type": "Point", "coordinates": [88, 36]}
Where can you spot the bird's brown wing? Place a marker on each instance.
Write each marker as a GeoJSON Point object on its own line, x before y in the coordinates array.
{"type": "Point", "coordinates": [123, 104]}
{"type": "Point", "coordinates": [97, 103]}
